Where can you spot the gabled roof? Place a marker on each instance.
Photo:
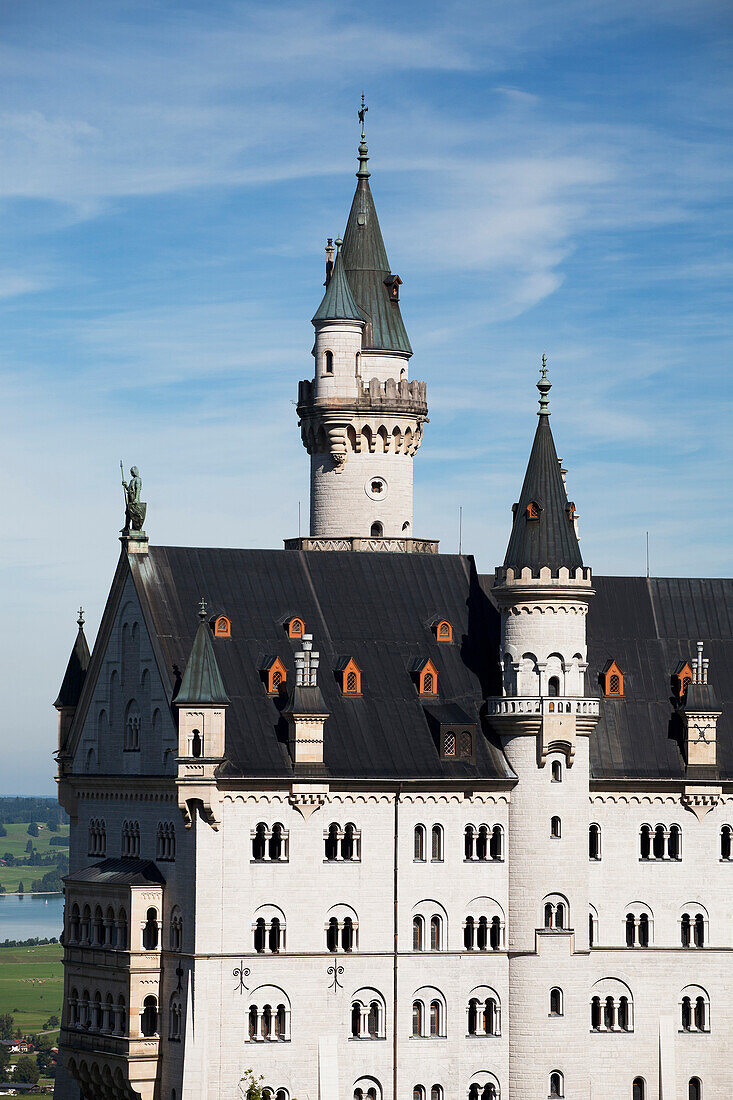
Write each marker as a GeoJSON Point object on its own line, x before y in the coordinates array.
{"type": "Point", "coordinates": [549, 540]}
{"type": "Point", "coordinates": [338, 302]}
{"type": "Point", "coordinates": [76, 670]}
{"type": "Point", "coordinates": [366, 265]}
{"type": "Point", "coordinates": [202, 682]}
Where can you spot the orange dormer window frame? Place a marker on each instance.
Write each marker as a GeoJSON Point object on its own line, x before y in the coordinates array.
{"type": "Point", "coordinates": [296, 628]}
{"type": "Point", "coordinates": [350, 677]}
{"type": "Point", "coordinates": [613, 681]}
{"type": "Point", "coordinates": [444, 630]}
{"type": "Point", "coordinates": [427, 679]}
{"type": "Point", "coordinates": [222, 627]}
{"type": "Point", "coordinates": [277, 676]}
{"type": "Point", "coordinates": [533, 510]}
{"type": "Point", "coordinates": [682, 679]}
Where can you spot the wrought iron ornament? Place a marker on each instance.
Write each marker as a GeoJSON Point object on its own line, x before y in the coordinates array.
{"type": "Point", "coordinates": [337, 971]}
{"type": "Point", "coordinates": [241, 972]}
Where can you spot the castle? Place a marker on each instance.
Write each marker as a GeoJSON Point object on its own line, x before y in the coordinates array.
{"type": "Point", "coordinates": [377, 827]}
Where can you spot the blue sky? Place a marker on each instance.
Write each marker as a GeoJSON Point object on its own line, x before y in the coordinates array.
{"type": "Point", "coordinates": [549, 176]}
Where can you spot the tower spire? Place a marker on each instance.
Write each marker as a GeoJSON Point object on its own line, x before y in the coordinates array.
{"type": "Point", "coordinates": [363, 173]}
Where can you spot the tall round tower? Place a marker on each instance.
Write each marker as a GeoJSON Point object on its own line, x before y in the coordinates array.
{"type": "Point", "coordinates": [361, 418]}
{"type": "Point", "coordinates": [544, 720]}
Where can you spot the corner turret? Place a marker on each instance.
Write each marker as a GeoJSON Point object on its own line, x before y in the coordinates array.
{"type": "Point", "coordinates": [201, 703]}
{"type": "Point", "coordinates": [73, 681]}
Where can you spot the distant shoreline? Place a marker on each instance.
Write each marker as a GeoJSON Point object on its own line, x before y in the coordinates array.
{"type": "Point", "coordinates": [32, 894]}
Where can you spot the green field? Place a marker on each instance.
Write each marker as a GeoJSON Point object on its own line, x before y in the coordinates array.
{"type": "Point", "coordinates": [31, 984]}
{"type": "Point", "coordinates": [15, 843]}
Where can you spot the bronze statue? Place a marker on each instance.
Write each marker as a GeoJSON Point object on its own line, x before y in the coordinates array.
{"type": "Point", "coordinates": [135, 508]}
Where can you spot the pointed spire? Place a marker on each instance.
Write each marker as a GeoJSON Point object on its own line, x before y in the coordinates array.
{"type": "Point", "coordinates": [202, 682]}
{"type": "Point", "coordinates": [338, 303]}
{"type": "Point", "coordinates": [363, 173]}
{"type": "Point", "coordinates": [76, 669]}
{"type": "Point", "coordinates": [543, 531]}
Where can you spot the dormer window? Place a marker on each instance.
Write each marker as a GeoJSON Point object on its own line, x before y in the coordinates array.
{"type": "Point", "coordinates": [426, 676]}
{"type": "Point", "coordinates": [681, 678]}
{"type": "Point", "coordinates": [443, 630]}
{"type": "Point", "coordinates": [533, 510]}
{"type": "Point", "coordinates": [349, 676]}
{"type": "Point", "coordinates": [275, 675]}
{"type": "Point", "coordinates": [612, 680]}
{"type": "Point", "coordinates": [393, 284]}
{"type": "Point", "coordinates": [296, 628]}
{"type": "Point", "coordinates": [328, 362]}
{"type": "Point", "coordinates": [222, 627]}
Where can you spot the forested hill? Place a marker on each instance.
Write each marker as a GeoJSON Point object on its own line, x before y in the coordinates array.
{"type": "Point", "coordinates": [14, 810]}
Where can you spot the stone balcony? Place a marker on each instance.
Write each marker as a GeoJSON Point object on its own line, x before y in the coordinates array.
{"type": "Point", "coordinates": [99, 1042]}
{"type": "Point", "coordinates": [556, 721]}
{"type": "Point", "coordinates": [371, 396]}
{"type": "Point", "coordinates": [540, 705]}
{"type": "Point", "coordinates": [399, 546]}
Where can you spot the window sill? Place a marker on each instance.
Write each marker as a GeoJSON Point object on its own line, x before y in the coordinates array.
{"type": "Point", "coordinates": [429, 1038]}
{"type": "Point", "coordinates": [489, 859]}
{"type": "Point", "coordinates": [339, 861]}
{"type": "Point", "coordinates": [477, 1035]}
{"type": "Point", "coordinates": [367, 1038]}
{"type": "Point", "coordinates": [269, 862]}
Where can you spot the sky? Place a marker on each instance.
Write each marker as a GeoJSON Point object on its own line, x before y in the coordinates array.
{"type": "Point", "coordinates": [550, 175]}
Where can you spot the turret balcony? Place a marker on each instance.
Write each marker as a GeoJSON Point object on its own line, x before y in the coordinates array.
{"type": "Point", "coordinates": [557, 721]}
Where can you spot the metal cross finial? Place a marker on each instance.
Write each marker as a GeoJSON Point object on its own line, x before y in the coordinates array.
{"type": "Point", "coordinates": [362, 112]}
{"type": "Point", "coordinates": [363, 172]}
{"type": "Point", "coordinates": [544, 365]}
{"type": "Point", "coordinates": [80, 620]}
{"type": "Point", "coordinates": [202, 609]}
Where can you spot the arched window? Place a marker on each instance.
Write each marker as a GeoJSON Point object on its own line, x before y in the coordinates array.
{"type": "Point", "coordinates": [556, 1084]}
{"type": "Point", "coordinates": [638, 1091]}
{"type": "Point", "coordinates": [592, 928]}
{"type": "Point", "coordinates": [556, 771]}
{"type": "Point", "coordinates": [331, 842]}
{"type": "Point", "coordinates": [149, 1017]}
{"type": "Point", "coordinates": [496, 847]}
{"type": "Point", "coordinates": [726, 843]}
{"type": "Point", "coordinates": [197, 744]}
{"type": "Point", "coordinates": [436, 850]}
{"type": "Point", "coordinates": [328, 362]}
{"type": "Point", "coordinates": [436, 1018]}
{"type": "Point", "coordinates": [427, 684]}
{"type": "Point", "coordinates": [222, 627]}
{"type": "Point", "coordinates": [556, 1007]}
{"type": "Point", "coordinates": [436, 1092]}
{"type": "Point", "coordinates": [377, 530]}
{"type": "Point", "coordinates": [533, 510]}
{"type": "Point", "coordinates": [555, 828]}
{"type": "Point", "coordinates": [174, 1019]}
{"type": "Point", "coordinates": [418, 1093]}
{"type": "Point", "coordinates": [418, 934]}
{"type": "Point", "coordinates": [611, 1006]}
{"type": "Point", "coordinates": [436, 933]}
{"type": "Point", "coordinates": [176, 930]}
{"type": "Point", "coordinates": [645, 842]}
{"type": "Point", "coordinates": [150, 930]}
{"type": "Point", "coordinates": [296, 628]}
{"type": "Point", "coordinates": [275, 845]}
{"type": "Point", "coordinates": [484, 1012]}
{"type": "Point", "coordinates": [270, 843]}
{"type": "Point", "coordinates": [594, 841]}
{"type": "Point", "coordinates": [658, 842]}
{"type": "Point", "coordinates": [419, 844]}
{"type": "Point", "coordinates": [74, 924]}
{"type": "Point", "coordinates": [445, 631]}
{"type": "Point", "coordinates": [132, 727]}
{"type": "Point", "coordinates": [694, 1089]}
{"type": "Point", "coordinates": [674, 846]}
{"type": "Point", "coordinates": [553, 687]}
{"type": "Point", "coordinates": [417, 1018]}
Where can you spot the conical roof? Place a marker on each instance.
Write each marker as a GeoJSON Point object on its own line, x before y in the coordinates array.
{"type": "Point", "coordinates": [549, 540]}
{"type": "Point", "coordinates": [76, 670]}
{"type": "Point", "coordinates": [202, 682]}
{"type": "Point", "coordinates": [338, 302]}
{"type": "Point", "coordinates": [366, 265]}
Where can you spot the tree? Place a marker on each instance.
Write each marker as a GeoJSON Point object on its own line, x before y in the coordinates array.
{"type": "Point", "coordinates": [250, 1087]}
{"type": "Point", "coordinates": [51, 1023]}
{"type": "Point", "coordinates": [6, 1025]}
{"type": "Point", "coordinates": [29, 846]}
{"type": "Point", "coordinates": [21, 888]}
{"type": "Point", "coordinates": [26, 1070]}
{"type": "Point", "coordinates": [53, 825]}
{"type": "Point", "coordinates": [3, 830]}
{"type": "Point", "coordinates": [33, 829]}
{"type": "Point", "coordinates": [4, 1061]}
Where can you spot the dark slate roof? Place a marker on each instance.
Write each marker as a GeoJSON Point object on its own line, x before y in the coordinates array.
{"type": "Point", "coordinates": [120, 872]}
{"type": "Point", "coordinates": [374, 606]}
{"type": "Point", "coordinates": [338, 302]}
{"type": "Point", "coordinates": [76, 671]}
{"type": "Point", "coordinates": [202, 682]}
{"type": "Point", "coordinates": [366, 265]}
{"type": "Point", "coordinates": [551, 539]}
{"type": "Point", "coordinates": [648, 626]}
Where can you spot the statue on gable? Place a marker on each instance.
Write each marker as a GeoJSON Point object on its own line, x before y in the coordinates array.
{"type": "Point", "coordinates": [135, 508]}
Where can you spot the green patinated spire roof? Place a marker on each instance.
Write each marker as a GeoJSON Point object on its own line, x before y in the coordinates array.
{"type": "Point", "coordinates": [366, 265]}
{"type": "Point", "coordinates": [76, 669]}
{"type": "Point", "coordinates": [338, 302]}
{"type": "Point", "coordinates": [202, 682]}
{"type": "Point", "coordinates": [549, 540]}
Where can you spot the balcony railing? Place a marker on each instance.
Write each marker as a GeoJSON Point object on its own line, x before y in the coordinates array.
{"type": "Point", "coordinates": [507, 705]}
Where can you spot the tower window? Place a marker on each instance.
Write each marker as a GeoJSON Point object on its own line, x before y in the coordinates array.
{"type": "Point", "coordinates": [222, 627]}
{"type": "Point", "coordinates": [377, 530]}
{"type": "Point", "coordinates": [377, 487]}
{"type": "Point", "coordinates": [556, 771]}
{"type": "Point", "coordinates": [533, 510]}
{"type": "Point", "coordinates": [328, 362]}
{"type": "Point", "coordinates": [556, 1008]}
{"type": "Point", "coordinates": [555, 828]}
{"type": "Point", "coordinates": [553, 687]}
{"type": "Point", "coordinates": [594, 841]}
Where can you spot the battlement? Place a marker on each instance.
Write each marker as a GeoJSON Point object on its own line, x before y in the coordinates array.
{"type": "Point", "coordinates": [401, 397]}
{"type": "Point", "coordinates": [506, 576]}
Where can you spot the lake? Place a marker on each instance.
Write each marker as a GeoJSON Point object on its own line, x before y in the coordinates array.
{"type": "Point", "coordinates": [23, 916]}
